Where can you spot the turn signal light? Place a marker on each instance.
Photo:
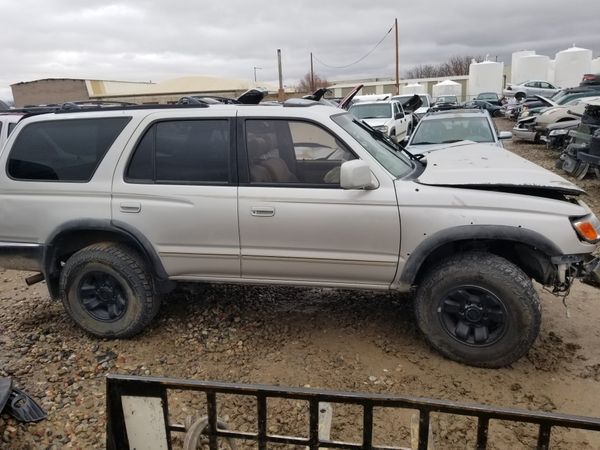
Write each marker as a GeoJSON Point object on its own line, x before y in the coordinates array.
{"type": "Point", "coordinates": [588, 228]}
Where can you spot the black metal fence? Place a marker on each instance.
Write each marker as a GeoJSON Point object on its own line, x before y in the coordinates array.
{"type": "Point", "coordinates": [119, 386]}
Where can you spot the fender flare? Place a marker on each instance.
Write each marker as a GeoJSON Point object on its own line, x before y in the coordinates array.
{"type": "Point", "coordinates": [131, 234]}
{"type": "Point", "coordinates": [474, 233]}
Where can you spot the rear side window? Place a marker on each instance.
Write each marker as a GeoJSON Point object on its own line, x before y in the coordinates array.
{"type": "Point", "coordinates": [182, 152]}
{"type": "Point", "coordinates": [63, 150]}
{"type": "Point", "coordinates": [11, 126]}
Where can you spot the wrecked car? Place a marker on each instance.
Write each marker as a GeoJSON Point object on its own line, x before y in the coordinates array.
{"type": "Point", "coordinates": [136, 199]}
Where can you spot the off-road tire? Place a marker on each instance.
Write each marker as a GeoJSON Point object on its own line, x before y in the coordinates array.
{"type": "Point", "coordinates": [494, 274]}
{"type": "Point", "coordinates": [125, 266]}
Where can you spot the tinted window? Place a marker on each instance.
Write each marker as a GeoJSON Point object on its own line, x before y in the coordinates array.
{"type": "Point", "coordinates": [293, 152]}
{"type": "Point", "coordinates": [11, 126]}
{"type": "Point", "coordinates": [371, 111]}
{"type": "Point", "coordinates": [182, 151]}
{"type": "Point", "coordinates": [63, 150]}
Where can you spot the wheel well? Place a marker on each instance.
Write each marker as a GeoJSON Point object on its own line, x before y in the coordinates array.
{"type": "Point", "coordinates": [68, 242]}
{"type": "Point", "coordinates": [532, 261]}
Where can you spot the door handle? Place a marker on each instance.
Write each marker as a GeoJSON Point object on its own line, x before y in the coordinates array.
{"type": "Point", "coordinates": [130, 207]}
{"type": "Point", "coordinates": [262, 211]}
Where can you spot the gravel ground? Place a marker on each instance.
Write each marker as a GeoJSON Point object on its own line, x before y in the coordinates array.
{"type": "Point", "coordinates": [358, 341]}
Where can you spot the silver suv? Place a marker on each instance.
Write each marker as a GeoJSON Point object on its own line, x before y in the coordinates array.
{"type": "Point", "coordinates": [112, 207]}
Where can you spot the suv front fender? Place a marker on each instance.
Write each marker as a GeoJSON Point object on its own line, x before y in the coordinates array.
{"type": "Point", "coordinates": [471, 234]}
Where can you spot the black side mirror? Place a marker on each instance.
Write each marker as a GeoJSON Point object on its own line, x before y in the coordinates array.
{"type": "Point", "coordinates": [399, 115]}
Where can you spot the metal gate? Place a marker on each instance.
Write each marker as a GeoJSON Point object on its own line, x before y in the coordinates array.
{"type": "Point", "coordinates": [142, 402]}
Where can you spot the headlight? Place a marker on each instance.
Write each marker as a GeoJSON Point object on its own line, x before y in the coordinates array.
{"type": "Point", "coordinates": [558, 132]}
{"type": "Point", "coordinates": [588, 228]}
{"type": "Point", "coordinates": [382, 128]}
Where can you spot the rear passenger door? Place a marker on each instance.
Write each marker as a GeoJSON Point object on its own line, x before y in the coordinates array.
{"type": "Point", "coordinates": [176, 185]}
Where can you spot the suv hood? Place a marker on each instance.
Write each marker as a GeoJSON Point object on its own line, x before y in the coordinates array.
{"type": "Point", "coordinates": [377, 122]}
{"type": "Point", "coordinates": [480, 166]}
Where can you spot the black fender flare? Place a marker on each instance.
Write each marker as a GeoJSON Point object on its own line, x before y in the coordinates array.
{"type": "Point", "coordinates": [123, 230]}
{"type": "Point", "coordinates": [474, 233]}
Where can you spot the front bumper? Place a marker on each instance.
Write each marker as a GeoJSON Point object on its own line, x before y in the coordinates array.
{"type": "Point", "coordinates": [21, 256]}
{"type": "Point", "coordinates": [524, 134]}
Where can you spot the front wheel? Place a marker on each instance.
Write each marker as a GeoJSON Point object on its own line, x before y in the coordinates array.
{"type": "Point", "coordinates": [108, 291]}
{"type": "Point", "coordinates": [479, 309]}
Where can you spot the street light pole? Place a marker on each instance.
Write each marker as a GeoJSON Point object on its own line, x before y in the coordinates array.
{"type": "Point", "coordinates": [255, 69]}
{"type": "Point", "coordinates": [397, 61]}
{"type": "Point", "coordinates": [312, 74]}
{"type": "Point", "coordinates": [280, 91]}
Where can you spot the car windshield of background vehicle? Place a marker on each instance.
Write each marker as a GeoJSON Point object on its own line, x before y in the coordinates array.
{"type": "Point", "coordinates": [395, 162]}
{"type": "Point", "coordinates": [448, 130]}
{"type": "Point", "coordinates": [372, 111]}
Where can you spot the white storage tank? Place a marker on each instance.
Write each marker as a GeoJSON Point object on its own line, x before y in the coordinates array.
{"type": "Point", "coordinates": [570, 66]}
{"type": "Point", "coordinates": [447, 87]}
{"type": "Point", "coordinates": [533, 67]}
{"type": "Point", "coordinates": [515, 76]}
{"type": "Point", "coordinates": [485, 76]}
{"type": "Point", "coordinates": [595, 65]}
{"type": "Point", "coordinates": [550, 77]}
{"type": "Point", "coordinates": [414, 88]}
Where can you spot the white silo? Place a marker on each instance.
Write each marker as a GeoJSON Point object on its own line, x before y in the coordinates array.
{"type": "Point", "coordinates": [551, 66]}
{"type": "Point", "coordinates": [515, 76]}
{"type": "Point", "coordinates": [534, 67]}
{"type": "Point", "coordinates": [446, 87]}
{"type": "Point", "coordinates": [570, 66]}
{"type": "Point", "coordinates": [485, 76]}
{"type": "Point", "coordinates": [595, 65]}
{"type": "Point", "coordinates": [414, 88]}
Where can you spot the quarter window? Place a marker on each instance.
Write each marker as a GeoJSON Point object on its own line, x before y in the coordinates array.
{"type": "Point", "coordinates": [63, 150]}
{"type": "Point", "coordinates": [182, 151]}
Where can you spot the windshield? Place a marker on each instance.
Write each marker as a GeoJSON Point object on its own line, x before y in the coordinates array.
{"type": "Point", "coordinates": [404, 98]}
{"type": "Point", "coordinates": [395, 162]}
{"type": "Point", "coordinates": [487, 97]}
{"type": "Point", "coordinates": [372, 110]}
{"type": "Point", "coordinates": [447, 99]}
{"type": "Point", "coordinates": [452, 129]}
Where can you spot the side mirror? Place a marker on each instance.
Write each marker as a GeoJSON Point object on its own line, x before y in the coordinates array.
{"type": "Point", "coordinates": [356, 174]}
{"type": "Point", "coordinates": [505, 135]}
{"type": "Point", "coordinates": [399, 115]}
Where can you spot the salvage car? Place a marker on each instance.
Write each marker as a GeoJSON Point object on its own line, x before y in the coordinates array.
{"type": "Point", "coordinates": [458, 127]}
{"type": "Point", "coordinates": [421, 110]}
{"type": "Point", "coordinates": [531, 125]}
{"type": "Point", "coordinates": [136, 199]}
{"type": "Point", "coordinates": [445, 102]}
{"type": "Point", "coordinates": [530, 89]}
{"type": "Point", "coordinates": [386, 116]}
{"type": "Point", "coordinates": [489, 97]}
{"type": "Point", "coordinates": [492, 109]}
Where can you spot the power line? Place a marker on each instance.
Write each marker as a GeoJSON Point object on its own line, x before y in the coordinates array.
{"type": "Point", "coordinates": [359, 59]}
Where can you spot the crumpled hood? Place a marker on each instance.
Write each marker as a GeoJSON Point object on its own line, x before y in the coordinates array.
{"type": "Point", "coordinates": [480, 165]}
{"type": "Point", "coordinates": [377, 122]}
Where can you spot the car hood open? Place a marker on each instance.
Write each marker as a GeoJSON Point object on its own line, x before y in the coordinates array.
{"type": "Point", "coordinates": [411, 104]}
{"type": "Point", "coordinates": [484, 167]}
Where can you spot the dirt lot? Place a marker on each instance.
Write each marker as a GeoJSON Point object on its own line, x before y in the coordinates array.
{"type": "Point", "coordinates": [296, 337]}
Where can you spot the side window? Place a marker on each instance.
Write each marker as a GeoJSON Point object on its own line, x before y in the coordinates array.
{"type": "Point", "coordinates": [294, 152]}
{"type": "Point", "coordinates": [530, 84]}
{"type": "Point", "coordinates": [544, 85]}
{"type": "Point", "coordinates": [182, 152]}
{"type": "Point", "coordinates": [63, 150]}
{"type": "Point", "coordinates": [11, 126]}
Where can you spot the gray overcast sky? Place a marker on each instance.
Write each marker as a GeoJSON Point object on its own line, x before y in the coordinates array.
{"type": "Point", "coordinates": [159, 39]}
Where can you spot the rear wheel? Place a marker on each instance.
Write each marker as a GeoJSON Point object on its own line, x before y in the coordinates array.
{"type": "Point", "coordinates": [520, 96]}
{"type": "Point", "coordinates": [479, 309]}
{"type": "Point", "coordinates": [108, 291]}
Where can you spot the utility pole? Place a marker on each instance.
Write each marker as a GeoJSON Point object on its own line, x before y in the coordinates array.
{"type": "Point", "coordinates": [397, 60]}
{"type": "Point", "coordinates": [280, 91]}
{"type": "Point", "coordinates": [255, 69]}
{"type": "Point", "coordinates": [312, 74]}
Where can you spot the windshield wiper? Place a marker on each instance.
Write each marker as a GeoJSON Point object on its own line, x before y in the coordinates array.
{"type": "Point", "coordinates": [381, 136]}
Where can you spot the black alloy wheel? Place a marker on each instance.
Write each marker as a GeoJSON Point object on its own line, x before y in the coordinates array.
{"type": "Point", "coordinates": [473, 315]}
{"type": "Point", "coordinates": [102, 296]}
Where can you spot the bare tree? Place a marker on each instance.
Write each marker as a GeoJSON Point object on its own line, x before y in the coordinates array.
{"type": "Point", "coordinates": [455, 65]}
{"type": "Point", "coordinates": [305, 84]}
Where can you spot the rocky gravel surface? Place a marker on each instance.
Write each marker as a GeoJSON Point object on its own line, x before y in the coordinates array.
{"type": "Point", "coordinates": [356, 341]}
